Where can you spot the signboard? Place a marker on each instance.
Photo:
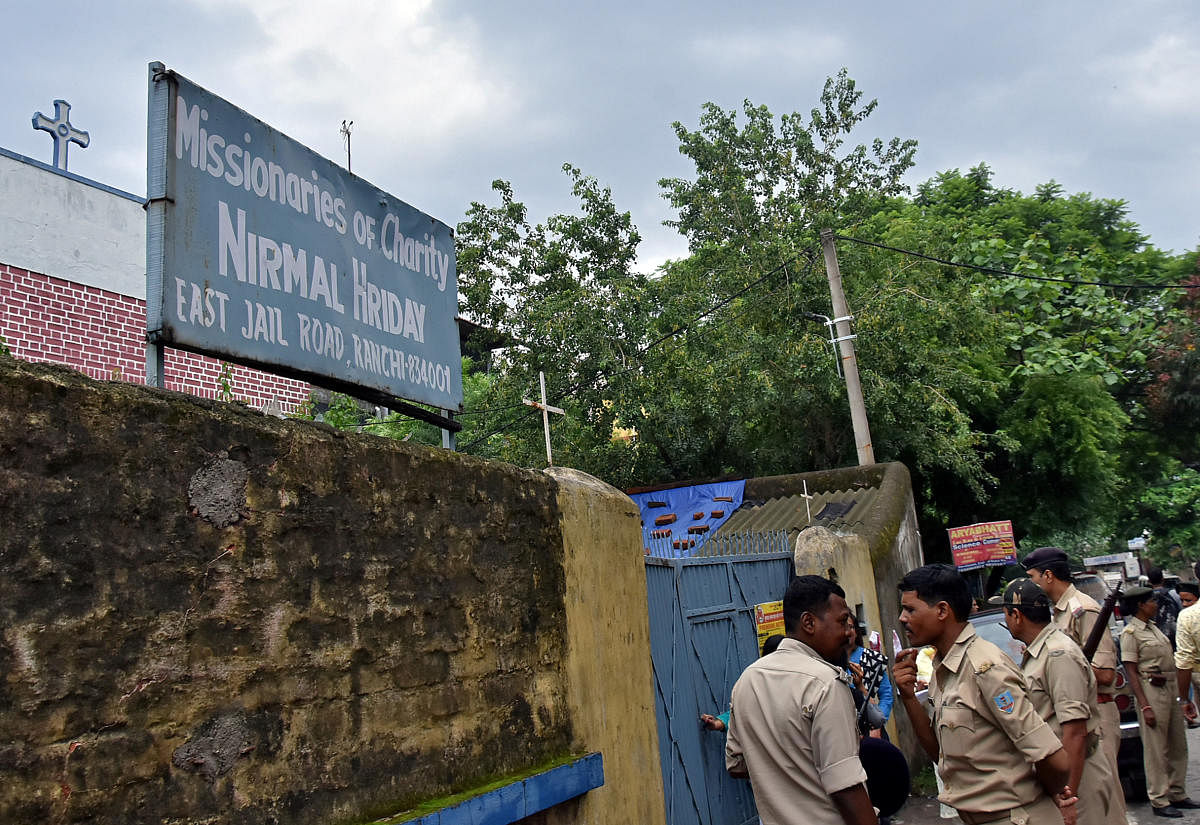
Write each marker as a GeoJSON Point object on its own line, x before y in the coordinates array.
{"type": "Point", "coordinates": [261, 251]}
{"type": "Point", "coordinates": [768, 620]}
{"type": "Point", "coordinates": [1138, 543]}
{"type": "Point", "coordinates": [1127, 560]}
{"type": "Point", "coordinates": [987, 544]}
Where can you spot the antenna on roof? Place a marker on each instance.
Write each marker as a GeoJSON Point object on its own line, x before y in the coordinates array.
{"type": "Point", "coordinates": [345, 131]}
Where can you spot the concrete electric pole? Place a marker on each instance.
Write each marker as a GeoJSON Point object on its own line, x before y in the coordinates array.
{"type": "Point", "coordinates": [845, 341]}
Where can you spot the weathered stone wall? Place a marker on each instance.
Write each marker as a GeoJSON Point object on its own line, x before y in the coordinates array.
{"type": "Point", "coordinates": [610, 677]}
{"type": "Point", "coordinates": [209, 615]}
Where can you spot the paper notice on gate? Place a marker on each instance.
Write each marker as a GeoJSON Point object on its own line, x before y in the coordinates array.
{"type": "Point", "coordinates": [768, 621]}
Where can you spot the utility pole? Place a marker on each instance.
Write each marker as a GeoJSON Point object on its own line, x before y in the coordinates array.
{"type": "Point", "coordinates": [845, 341]}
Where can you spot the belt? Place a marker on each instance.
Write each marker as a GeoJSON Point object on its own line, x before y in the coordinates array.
{"type": "Point", "coordinates": [983, 817]}
{"type": "Point", "coordinates": [1104, 698]}
{"type": "Point", "coordinates": [1156, 679]}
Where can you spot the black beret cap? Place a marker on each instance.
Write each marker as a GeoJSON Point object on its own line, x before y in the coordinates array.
{"type": "Point", "coordinates": [1043, 556]}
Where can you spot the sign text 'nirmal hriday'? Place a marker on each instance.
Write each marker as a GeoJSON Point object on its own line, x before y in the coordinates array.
{"type": "Point", "coordinates": [263, 252]}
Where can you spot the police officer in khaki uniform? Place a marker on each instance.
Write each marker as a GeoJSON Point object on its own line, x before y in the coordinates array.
{"type": "Point", "coordinates": [985, 733]}
{"type": "Point", "coordinates": [1150, 663]}
{"type": "Point", "coordinates": [1075, 614]}
{"type": "Point", "coordinates": [792, 726]}
{"type": "Point", "coordinates": [1063, 689]}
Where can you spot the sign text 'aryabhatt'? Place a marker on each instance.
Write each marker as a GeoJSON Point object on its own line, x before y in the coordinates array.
{"type": "Point", "coordinates": [987, 544]}
{"type": "Point", "coordinates": [272, 255]}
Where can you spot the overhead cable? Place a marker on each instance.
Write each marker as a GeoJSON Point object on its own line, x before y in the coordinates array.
{"type": "Point", "coordinates": [602, 374]}
{"type": "Point", "coordinates": [991, 270]}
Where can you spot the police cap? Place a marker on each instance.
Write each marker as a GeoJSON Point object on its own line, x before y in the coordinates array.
{"type": "Point", "coordinates": [1043, 557]}
{"type": "Point", "coordinates": [1024, 593]}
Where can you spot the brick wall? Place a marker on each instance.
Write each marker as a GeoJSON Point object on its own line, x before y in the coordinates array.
{"type": "Point", "coordinates": [102, 334]}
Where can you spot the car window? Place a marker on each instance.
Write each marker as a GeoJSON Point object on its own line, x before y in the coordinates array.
{"type": "Point", "coordinates": [1091, 584]}
{"type": "Point", "coordinates": [991, 627]}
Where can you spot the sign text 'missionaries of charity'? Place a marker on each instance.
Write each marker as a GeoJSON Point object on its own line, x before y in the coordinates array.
{"type": "Point", "coordinates": [275, 256]}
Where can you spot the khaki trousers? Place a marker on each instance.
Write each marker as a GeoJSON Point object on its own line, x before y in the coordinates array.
{"type": "Point", "coordinates": [1110, 727]}
{"type": "Point", "coordinates": [1101, 801]}
{"type": "Point", "coordinates": [1164, 746]}
{"type": "Point", "coordinates": [1042, 812]}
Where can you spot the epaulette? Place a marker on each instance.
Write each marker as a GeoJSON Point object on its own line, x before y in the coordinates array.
{"type": "Point", "coordinates": [982, 668]}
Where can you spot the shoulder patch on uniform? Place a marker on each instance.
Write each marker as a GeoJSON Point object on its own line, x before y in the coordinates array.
{"type": "Point", "coordinates": [1004, 701]}
{"type": "Point", "coordinates": [1079, 611]}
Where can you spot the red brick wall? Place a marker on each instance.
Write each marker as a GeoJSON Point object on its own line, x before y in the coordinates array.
{"type": "Point", "coordinates": [102, 334]}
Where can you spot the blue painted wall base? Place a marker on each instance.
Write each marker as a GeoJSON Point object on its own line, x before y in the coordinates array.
{"type": "Point", "coordinates": [525, 798]}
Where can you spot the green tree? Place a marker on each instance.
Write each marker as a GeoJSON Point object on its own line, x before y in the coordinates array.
{"type": "Point", "coordinates": [1056, 405]}
{"type": "Point", "coordinates": [566, 294]}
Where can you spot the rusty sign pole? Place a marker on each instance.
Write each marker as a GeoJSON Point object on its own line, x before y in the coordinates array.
{"type": "Point", "coordinates": [845, 341]}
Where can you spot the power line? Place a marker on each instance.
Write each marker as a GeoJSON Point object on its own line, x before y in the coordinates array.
{"type": "Point", "coordinates": [579, 385]}
{"type": "Point", "coordinates": [1006, 273]}
{"type": "Point", "coordinates": [482, 410]}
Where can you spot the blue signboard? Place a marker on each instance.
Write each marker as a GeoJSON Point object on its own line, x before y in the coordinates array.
{"type": "Point", "coordinates": [263, 252]}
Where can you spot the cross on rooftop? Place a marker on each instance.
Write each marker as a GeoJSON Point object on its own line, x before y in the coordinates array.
{"type": "Point", "coordinates": [62, 131]}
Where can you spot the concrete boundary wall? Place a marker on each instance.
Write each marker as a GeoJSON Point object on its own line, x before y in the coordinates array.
{"type": "Point", "coordinates": [208, 615]}
{"type": "Point", "coordinates": [610, 678]}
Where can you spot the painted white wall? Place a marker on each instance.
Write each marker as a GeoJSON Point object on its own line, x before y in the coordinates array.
{"type": "Point", "coordinates": [63, 225]}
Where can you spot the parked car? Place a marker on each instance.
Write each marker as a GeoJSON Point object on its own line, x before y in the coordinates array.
{"type": "Point", "coordinates": [990, 625]}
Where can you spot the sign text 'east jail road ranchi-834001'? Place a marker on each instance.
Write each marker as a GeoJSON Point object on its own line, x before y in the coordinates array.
{"type": "Point", "coordinates": [273, 255]}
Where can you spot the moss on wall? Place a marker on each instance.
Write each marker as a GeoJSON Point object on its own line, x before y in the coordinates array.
{"type": "Point", "coordinates": [210, 615]}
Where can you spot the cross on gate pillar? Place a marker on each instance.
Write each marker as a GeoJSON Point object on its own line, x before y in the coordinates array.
{"type": "Point", "coordinates": [546, 409]}
{"type": "Point", "coordinates": [61, 130]}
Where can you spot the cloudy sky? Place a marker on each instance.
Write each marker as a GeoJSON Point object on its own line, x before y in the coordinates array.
{"type": "Point", "coordinates": [447, 96]}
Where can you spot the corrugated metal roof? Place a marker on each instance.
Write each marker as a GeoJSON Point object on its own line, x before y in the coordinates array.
{"type": "Point", "coordinates": [792, 513]}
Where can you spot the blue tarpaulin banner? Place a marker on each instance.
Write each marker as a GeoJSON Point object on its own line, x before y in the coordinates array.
{"type": "Point", "coordinates": [682, 519]}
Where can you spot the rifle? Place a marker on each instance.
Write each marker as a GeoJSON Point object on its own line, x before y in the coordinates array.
{"type": "Point", "coordinates": [1101, 625]}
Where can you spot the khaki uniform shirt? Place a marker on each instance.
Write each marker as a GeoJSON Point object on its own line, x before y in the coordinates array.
{"type": "Point", "coordinates": [1075, 614]}
{"type": "Point", "coordinates": [792, 726]}
{"type": "Point", "coordinates": [1147, 647]}
{"type": "Point", "coordinates": [1061, 684]}
{"type": "Point", "coordinates": [988, 731]}
{"type": "Point", "coordinates": [1187, 637]}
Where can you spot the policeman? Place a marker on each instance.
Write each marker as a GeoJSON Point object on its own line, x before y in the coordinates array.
{"type": "Point", "coordinates": [1075, 614]}
{"type": "Point", "coordinates": [791, 724]}
{"type": "Point", "coordinates": [1063, 689]}
{"type": "Point", "coordinates": [985, 733]}
{"type": "Point", "coordinates": [1150, 663]}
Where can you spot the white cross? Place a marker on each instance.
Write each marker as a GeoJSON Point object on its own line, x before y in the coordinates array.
{"type": "Point", "coordinates": [62, 131]}
{"type": "Point", "coordinates": [546, 409]}
{"type": "Point", "coordinates": [807, 501]}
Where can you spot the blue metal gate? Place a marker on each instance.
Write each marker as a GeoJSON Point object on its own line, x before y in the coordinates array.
{"type": "Point", "coordinates": [702, 635]}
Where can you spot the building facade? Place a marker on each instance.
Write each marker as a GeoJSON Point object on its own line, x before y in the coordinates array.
{"type": "Point", "coordinates": [73, 288]}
